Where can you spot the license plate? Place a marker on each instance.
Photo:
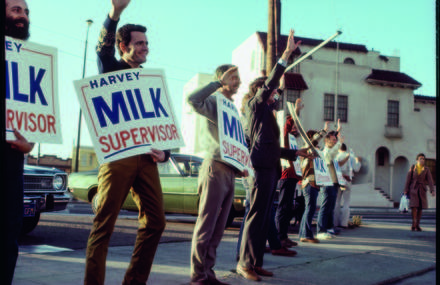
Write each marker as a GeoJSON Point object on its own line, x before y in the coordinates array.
{"type": "Point", "coordinates": [29, 210]}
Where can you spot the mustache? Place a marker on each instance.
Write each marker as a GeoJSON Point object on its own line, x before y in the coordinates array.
{"type": "Point", "coordinates": [12, 30]}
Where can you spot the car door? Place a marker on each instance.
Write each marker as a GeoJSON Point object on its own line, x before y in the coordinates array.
{"type": "Point", "coordinates": [189, 166]}
{"type": "Point", "coordinates": [172, 186]}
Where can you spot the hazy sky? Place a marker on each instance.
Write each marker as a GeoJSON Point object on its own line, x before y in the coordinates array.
{"type": "Point", "coordinates": [195, 36]}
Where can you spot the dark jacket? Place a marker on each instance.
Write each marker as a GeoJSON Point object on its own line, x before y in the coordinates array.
{"type": "Point", "coordinates": [264, 133]}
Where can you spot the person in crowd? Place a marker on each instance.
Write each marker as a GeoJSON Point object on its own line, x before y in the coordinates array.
{"type": "Point", "coordinates": [287, 185]}
{"type": "Point", "coordinates": [16, 26]}
{"type": "Point", "coordinates": [347, 165]}
{"type": "Point", "coordinates": [328, 193]}
{"type": "Point", "coordinates": [417, 180]}
{"type": "Point", "coordinates": [138, 172]}
{"type": "Point", "coordinates": [216, 178]}
{"type": "Point", "coordinates": [265, 156]}
{"type": "Point", "coordinates": [310, 189]}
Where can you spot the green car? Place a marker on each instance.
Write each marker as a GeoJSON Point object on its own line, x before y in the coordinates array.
{"type": "Point", "coordinates": [179, 186]}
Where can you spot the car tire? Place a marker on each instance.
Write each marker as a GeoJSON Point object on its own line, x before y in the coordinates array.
{"type": "Point", "coordinates": [231, 217]}
{"type": "Point", "coordinates": [29, 223]}
{"type": "Point", "coordinates": [95, 201]}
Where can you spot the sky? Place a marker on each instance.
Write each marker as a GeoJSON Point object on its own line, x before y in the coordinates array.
{"type": "Point", "coordinates": [195, 36]}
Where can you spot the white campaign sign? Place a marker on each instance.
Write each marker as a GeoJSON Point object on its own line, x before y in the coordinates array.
{"type": "Point", "coordinates": [322, 173]}
{"type": "Point", "coordinates": [128, 112]}
{"type": "Point", "coordinates": [341, 179]}
{"type": "Point", "coordinates": [233, 147]}
{"type": "Point", "coordinates": [296, 164]}
{"type": "Point", "coordinates": [32, 91]}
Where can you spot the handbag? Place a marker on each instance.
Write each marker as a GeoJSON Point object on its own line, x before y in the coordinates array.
{"type": "Point", "coordinates": [404, 204]}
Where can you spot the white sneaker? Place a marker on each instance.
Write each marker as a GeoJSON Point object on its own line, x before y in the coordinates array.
{"type": "Point", "coordinates": [323, 236]}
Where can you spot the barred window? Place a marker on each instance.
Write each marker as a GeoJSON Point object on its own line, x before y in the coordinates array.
{"type": "Point", "coordinates": [329, 107]}
{"type": "Point", "coordinates": [343, 108]}
{"type": "Point", "coordinates": [393, 113]}
{"type": "Point", "coordinates": [292, 95]}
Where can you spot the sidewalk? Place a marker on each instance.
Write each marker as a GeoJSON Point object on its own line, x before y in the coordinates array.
{"type": "Point", "coordinates": [374, 253]}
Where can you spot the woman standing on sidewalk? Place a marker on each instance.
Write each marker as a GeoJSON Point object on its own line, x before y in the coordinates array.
{"type": "Point", "coordinates": [416, 180]}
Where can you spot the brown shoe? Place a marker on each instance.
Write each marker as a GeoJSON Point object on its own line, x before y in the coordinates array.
{"type": "Point", "coordinates": [248, 273]}
{"type": "Point", "coordinates": [283, 252]}
{"type": "Point", "coordinates": [288, 243]}
{"type": "Point", "coordinates": [311, 240]}
{"type": "Point", "coordinates": [263, 272]}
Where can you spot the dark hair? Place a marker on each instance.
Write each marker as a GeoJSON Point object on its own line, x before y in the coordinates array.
{"type": "Point", "coordinates": [331, 134]}
{"type": "Point", "coordinates": [310, 134]}
{"type": "Point", "coordinates": [419, 155]}
{"type": "Point", "coordinates": [253, 88]}
{"type": "Point", "coordinates": [343, 147]}
{"type": "Point", "coordinates": [222, 69]}
{"type": "Point", "coordinates": [124, 34]}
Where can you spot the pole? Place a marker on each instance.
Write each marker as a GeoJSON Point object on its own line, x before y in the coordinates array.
{"type": "Point", "coordinates": [78, 138]}
{"type": "Point", "coordinates": [312, 51]}
{"type": "Point", "coordinates": [270, 50]}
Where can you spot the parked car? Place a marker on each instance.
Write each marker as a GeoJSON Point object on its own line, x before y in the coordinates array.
{"type": "Point", "coordinates": [45, 190]}
{"type": "Point", "coordinates": [178, 178]}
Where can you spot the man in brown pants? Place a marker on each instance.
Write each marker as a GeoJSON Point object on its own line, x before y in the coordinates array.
{"type": "Point", "coordinates": [137, 172]}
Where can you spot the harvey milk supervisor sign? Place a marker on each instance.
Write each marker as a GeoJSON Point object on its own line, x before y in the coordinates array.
{"type": "Point", "coordinates": [31, 91]}
{"type": "Point", "coordinates": [128, 112]}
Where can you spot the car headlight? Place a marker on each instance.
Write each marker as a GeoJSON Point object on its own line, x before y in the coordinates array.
{"type": "Point", "coordinates": [58, 182]}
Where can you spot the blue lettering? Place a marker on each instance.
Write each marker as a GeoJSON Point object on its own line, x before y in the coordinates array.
{"type": "Point", "coordinates": [103, 82]}
{"type": "Point", "coordinates": [134, 110]}
{"type": "Point", "coordinates": [35, 85]}
{"type": "Point", "coordinates": [118, 103]}
{"type": "Point", "coordinates": [8, 45]}
{"type": "Point", "coordinates": [111, 79]}
{"type": "Point", "coordinates": [233, 129]}
{"type": "Point", "coordinates": [120, 77]}
{"type": "Point", "coordinates": [136, 74]}
{"type": "Point", "coordinates": [93, 84]}
{"type": "Point", "coordinates": [144, 113]}
{"type": "Point", "coordinates": [155, 98]}
{"type": "Point", "coordinates": [8, 89]}
{"type": "Point", "coordinates": [17, 95]}
{"type": "Point", "coordinates": [128, 76]}
{"type": "Point", "coordinates": [18, 46]}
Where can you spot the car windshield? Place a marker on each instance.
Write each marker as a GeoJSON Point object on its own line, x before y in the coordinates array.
{"type": "Point", "coordinates": [189, 165]}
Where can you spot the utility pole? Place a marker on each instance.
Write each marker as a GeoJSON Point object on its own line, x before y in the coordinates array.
{"type": "Point", "coordinates": [273, 34]}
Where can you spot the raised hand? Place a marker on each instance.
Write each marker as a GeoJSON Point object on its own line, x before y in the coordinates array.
{"type": "Point", "coordinates": [291, 45]}
{"type": "Point", "coordinates": [21, 143]}
{"type": "Point", "coordinates": [298, 105]}
{"type": "Point", "coordinates": [157, 155]}
{"type": "Point", "coordinates": [226, 79]}
{"type": "Point", "coordinates": [117, 7]}
{"type": "Point", "coordinates": [326, 126]}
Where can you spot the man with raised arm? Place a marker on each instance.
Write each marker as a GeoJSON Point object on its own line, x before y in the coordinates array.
{"type": "Point", "coordinates": [138, 172]}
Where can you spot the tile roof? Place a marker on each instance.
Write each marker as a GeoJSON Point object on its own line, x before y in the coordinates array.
{"type": "Point", "coordinates": [399, 79]}
{"type": "Point", "coordinates": [423, 98]}
{"type": "Point", "coordinates": [295, 81]}
{"type": "Point", "coordinates": [310, 42]}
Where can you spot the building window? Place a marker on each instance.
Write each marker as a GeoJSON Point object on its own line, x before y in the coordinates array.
{"type": "Point", "coordinates": [349, 60]}
{"type": "Point", "coordinates": [393, 113]}
{"type": "Point", "coordinates": [430, 163]}
{"type": "Point", "coordinates": [292, 95]}
{"type": "Point", "coordinates": [329, 107]}
{"type": "Point", "coordinates": [343, 108]}
{"type": "Point", "coordinates": [382, 154]}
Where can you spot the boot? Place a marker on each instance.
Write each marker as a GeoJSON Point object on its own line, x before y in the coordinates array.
{"type": "Point", "coordinates": [414, 218]}
{"type": "Point", "coordinates": [419, 216]}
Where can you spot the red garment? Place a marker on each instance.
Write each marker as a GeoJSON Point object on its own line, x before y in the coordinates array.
{"type": "Point", "coordinates": [289, 173]}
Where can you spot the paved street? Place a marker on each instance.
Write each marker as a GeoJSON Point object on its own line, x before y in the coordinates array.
{"type": "Point", "coordinates": [381, 251]}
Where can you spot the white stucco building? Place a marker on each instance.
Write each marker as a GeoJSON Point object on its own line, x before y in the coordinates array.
{"type": "Point", "coordinates": [382, 119]}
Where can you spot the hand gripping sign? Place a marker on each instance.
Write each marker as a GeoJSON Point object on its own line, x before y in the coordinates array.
{"type": "Point", "coordinates": [128, 112]}
{"type": "Point", "coordinates": [233, 147]}
{"type": "Point", "coordinates": [32, 91]}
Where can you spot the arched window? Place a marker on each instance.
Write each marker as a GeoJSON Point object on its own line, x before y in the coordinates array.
{"type": "Point", "coordinates": [349, 60]}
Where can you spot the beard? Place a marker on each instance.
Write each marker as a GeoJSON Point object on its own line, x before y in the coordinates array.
{"type": "Point", "coordinates": [12, 30]}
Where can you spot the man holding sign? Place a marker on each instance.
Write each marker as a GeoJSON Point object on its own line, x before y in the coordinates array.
{"type": "Point", "coordinates": [138, 172]}
{"type": "Point", "coordinates": [16, 26]}
{"type": "Point", "coordinates": [216, 178]}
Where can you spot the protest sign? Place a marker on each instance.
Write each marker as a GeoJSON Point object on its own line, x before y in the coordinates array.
{"type": "Point", "coordinates": [294, 145]}
{"type": "Point", "coordinates": [322, 173]}
{"type": "Point", "coordinates": [128, 112]}
{"type": "Point", "coordinates": [233, 146]}
{"type": "Point", "coordinates": [341, 179]}
{"type": "Point", "coordinates": [31, 91]}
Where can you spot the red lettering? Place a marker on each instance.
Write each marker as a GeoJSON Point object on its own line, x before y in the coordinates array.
{"type": "Point", "coordinates": [9, 119]}
{"type": "Point", "coordinates": [124, 137]}
{"type": "Point", "coordinates": [51, 124]}
{"type": "Point", "coordinates": [103, 141]}
{"type": "Point", "coordinates": [42, 123]}
{"type": "Point", "coordinates": [32, 125]}
{"type": "Point", "coordinates": [174, 132]}
{"type": "Point", "coordinates": [134, 134]}
{"type": "Point", "coordinates": [162, 131]}
{"type": "Point", "coordinates": [144, 135]}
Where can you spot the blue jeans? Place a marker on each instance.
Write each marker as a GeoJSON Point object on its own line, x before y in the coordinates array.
{"type": "Point", "coordinates": [310, 197]}
{"type": "Point", "coordinates": [325, 215]}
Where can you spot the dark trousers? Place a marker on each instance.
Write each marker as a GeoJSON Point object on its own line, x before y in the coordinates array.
{"type": "Point", "coordinates": [115, 179]}
{"type": "Point", "coordinates": [13, 195]}
{"type": "Point", "coordinates": [258, 219]}
{"type": "Point", "coordinates": [284, 211]}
